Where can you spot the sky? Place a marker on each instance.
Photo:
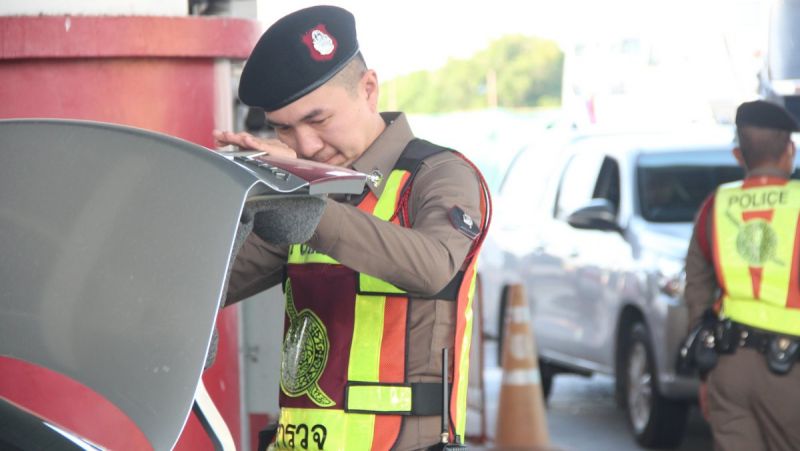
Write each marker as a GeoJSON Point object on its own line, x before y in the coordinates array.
{"type": "Point", "coordinates": [403, 36]}
{"type": "Point", "coordinates": [708, 52]}
{"type": "Point", "coordinates": [399, 37]}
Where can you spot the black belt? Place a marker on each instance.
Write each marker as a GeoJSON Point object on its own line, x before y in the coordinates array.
{"type": "Point", "coordinates": [780, 350]}
{"type": "Point", "coordinates": [750, 337]}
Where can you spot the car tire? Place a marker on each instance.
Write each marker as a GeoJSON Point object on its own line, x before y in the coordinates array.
{"type": "Point", "coordinates": [501, 324]}
{"type": "Point", "coordinates": [547, 373]}
{"type": "Point", "coordinates": [656, 422]}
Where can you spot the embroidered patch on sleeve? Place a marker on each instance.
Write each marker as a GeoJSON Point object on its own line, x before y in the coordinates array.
{"type": "Point", "coordinates": [464, 223]}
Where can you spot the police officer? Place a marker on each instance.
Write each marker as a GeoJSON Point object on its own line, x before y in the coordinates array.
{"type": "Point", "coordinates": [386, 281]}
{"type": "Point", "coordinates": [743, 262]}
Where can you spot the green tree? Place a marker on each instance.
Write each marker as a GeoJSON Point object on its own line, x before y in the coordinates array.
{"type": "Point", "coordinates": [515, 71]}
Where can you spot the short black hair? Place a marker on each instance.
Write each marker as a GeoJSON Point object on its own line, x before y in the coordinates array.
{"type": "Point", "coordinates": [351, 73]}
{"type": "Point", "coordinates": [761, 145]}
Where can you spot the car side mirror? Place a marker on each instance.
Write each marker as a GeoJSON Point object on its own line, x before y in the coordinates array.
{"type": "Point", "coordinates": [598, 214]}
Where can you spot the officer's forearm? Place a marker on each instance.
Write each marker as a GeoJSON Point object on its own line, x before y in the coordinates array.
{"type": "Point", "coordinates": [257, 267]}
{"type": "Point", "coordinates": [420, 261]}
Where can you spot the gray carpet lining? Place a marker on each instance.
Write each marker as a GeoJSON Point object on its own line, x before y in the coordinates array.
{"type": "Point", "coordinates": [276, 220]}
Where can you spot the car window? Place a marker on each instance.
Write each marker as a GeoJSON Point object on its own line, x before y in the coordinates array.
{"type": "Point", "coordinates": [607, 186]}
{"type": "Point", "coordinates": [578, 183]}
{"type": "Point", "coordinates": [672, 185]}
{"type": "Point", "coordinates": [524, 184]}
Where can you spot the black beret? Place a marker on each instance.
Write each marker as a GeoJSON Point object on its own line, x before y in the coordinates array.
{"type": "Point", "coordinates": [296, 55]}
{"type": "Point", "coordinates": [765, 114]}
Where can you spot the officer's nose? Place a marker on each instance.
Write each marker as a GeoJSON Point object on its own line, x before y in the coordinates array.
{"type": "Point", "coordinates": [308, 142]}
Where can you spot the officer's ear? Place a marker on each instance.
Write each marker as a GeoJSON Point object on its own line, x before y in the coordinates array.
{"type": "Point", "coordinates": [788, 161]}
{"type": "Point", "coordinates": [369, 83]}
{"type": "Point", "coordinates": [737, 153]}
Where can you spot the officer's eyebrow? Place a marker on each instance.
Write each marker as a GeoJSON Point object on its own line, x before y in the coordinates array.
{"type": "Point", "coordinates": [313, 114]}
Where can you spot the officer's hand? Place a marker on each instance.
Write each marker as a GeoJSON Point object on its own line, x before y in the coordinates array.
{"type": "Point", "coordinates": [246, 141]}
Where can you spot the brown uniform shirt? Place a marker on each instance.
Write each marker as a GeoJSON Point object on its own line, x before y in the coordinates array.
{"type": "Point", "coordinates": [421, 259]}
{"type": "Point", "coordinates": [701, 280]}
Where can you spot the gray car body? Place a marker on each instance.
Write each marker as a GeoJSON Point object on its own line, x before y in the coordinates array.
{"type": "Point", "coordinates": [117, 244]}
{"type": "Point", "coordinates": [585, 286]}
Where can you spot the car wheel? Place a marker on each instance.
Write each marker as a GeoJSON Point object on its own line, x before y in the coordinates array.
{"type": "Point", "coordinates": [547, 372]}
{"type": "Point", "coordinates": [501, 324]}
{"type": "Point", "coordinates": [656, 422]}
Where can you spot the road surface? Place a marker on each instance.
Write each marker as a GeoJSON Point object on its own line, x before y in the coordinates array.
{"type": "Point", "coordinates": [582, 414]}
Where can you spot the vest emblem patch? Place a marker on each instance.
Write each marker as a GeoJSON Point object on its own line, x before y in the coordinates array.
{"type": "Point", "coordinates": [756, 242]}
{"type": "Point", "coordinates": [305, 354]}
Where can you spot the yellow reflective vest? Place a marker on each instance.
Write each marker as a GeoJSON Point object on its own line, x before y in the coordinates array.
{"type": "Point", "coordinates": [755, 243]}
{"type": "Point", "coordinates": [343, 374]}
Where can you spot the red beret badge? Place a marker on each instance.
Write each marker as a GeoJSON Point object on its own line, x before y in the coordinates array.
{"type": "Point", "coordinates": [320, 43]}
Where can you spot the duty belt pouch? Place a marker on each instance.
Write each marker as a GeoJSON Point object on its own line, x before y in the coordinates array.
{"type": "Point", "coordinates": [705, 353]}
{"type": "Point", "coordinates": [782, 353]}
{"type": "Point", "coordinates": [726, 337]}
{"type": "Point", "coordinates": [698, 349]}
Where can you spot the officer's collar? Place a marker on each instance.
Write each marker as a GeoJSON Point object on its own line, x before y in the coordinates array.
{"type": "Point", "coordinates": [767, 172]}
{"type": "Point", "coordinates": [381, 156]}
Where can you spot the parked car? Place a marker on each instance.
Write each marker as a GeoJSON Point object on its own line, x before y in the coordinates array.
{"type": "Point", "coordinates": [597, 232]}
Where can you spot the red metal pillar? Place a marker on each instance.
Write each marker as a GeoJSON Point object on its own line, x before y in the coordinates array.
{"type": "Point", "coordinates": [168, 74]}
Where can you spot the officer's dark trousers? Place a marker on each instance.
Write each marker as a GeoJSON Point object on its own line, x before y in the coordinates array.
{"type": "Point", "coordinates": [752, 409]}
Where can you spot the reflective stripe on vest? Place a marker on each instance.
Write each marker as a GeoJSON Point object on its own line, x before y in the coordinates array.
{"type": "Point", "coordinates": [756, 256]}
{"type": "Point", "coordinates": [379, 398]}
{"type": "Point", "coordinates": [463, 340]}
{"type": "Point", "coordinates": [318, 429]}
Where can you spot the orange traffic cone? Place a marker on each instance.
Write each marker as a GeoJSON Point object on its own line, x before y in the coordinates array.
{"type": "Point", "coordinates": [521, 422]}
